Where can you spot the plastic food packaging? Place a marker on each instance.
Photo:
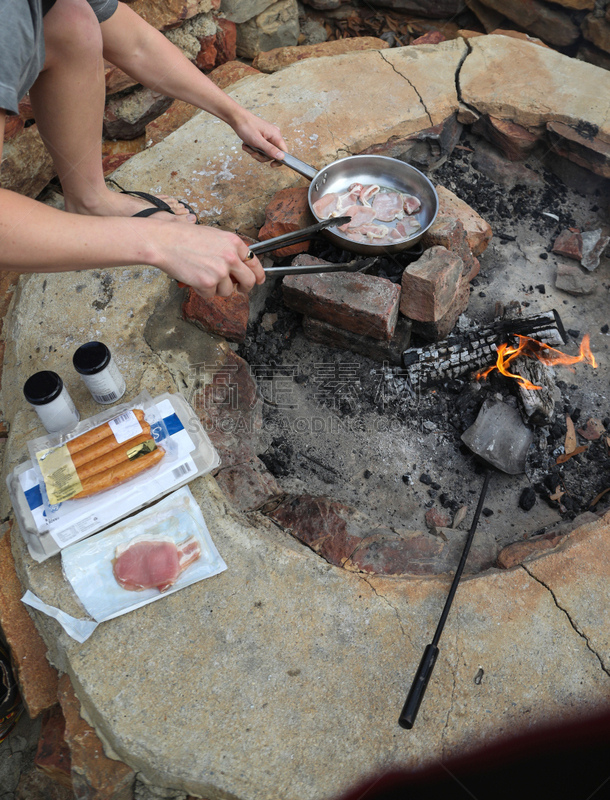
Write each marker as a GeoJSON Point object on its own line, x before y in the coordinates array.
{"type": "Point", "coordinates": [99, 455]}
{"type": "Point", "coordinates": [91, 566]}
{"type": "Point", "coordinates": [47, 528]}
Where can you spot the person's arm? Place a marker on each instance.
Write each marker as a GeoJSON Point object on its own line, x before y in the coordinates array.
{"type": "Point", "coordinates": [35, 237]}
{"type": "Point", "coordinates": [148, 56]}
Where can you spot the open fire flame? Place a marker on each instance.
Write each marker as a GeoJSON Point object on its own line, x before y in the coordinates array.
{"type": "Point", "coordinates": [535, 349]}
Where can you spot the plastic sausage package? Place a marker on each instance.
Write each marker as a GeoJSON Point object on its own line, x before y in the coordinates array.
{"type": "Point", "coordinates": [109, 466]}
{"type": "Point", "coordinates": [157, 552]}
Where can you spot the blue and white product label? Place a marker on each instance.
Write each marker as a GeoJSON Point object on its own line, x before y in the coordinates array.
{"type": "Point", "coordinates": [81, 517]}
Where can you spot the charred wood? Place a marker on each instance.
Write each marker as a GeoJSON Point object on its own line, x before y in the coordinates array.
{"type": "Point", "coordinates": [474, 350]}
{"type": "Point", "coordinates": [538, 405]}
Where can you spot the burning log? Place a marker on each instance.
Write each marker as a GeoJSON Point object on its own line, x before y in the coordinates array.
{"type": "Point", "coordinates": [473, 350]}
{"type": "Point", "coordinates": [536, 390]}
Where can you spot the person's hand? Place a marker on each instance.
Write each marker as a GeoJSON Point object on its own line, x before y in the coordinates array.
{"type": "Point", "coordinates": [258, 133]}
{"type": "Point", "coordinates": [211, 261]}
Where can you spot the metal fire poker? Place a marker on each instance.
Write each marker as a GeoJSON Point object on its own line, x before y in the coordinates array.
{"type": "Point", "coordinates": [499, 438]}
{"type": "Point", "coordinates": [426, 665]}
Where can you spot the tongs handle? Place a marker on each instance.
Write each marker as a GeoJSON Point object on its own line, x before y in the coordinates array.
{"type": "Point", "coordinates": [294, 163]}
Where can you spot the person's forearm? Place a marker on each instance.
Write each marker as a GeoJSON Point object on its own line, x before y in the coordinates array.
{"type": "Point", "coordinates": [146, 55]}
{"type": "Point", "coordinates": [35, 237]}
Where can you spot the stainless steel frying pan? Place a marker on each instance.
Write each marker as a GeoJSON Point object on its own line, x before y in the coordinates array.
{"type": "Point", "coordinates": [387, 172]}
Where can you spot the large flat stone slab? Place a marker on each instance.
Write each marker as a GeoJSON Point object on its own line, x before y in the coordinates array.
{"type": "Point", "coordinates": [326, 108]}
{"type": "Point", "coordinates": [530, 85]}
{"type": "Point", "coordinates": [284, 676]}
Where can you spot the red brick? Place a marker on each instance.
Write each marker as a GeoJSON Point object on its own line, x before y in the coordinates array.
{"type": "Point", "coordinates": [478, 231]}
{"type": "Point", "coordinates": [36, 677]}
{"type": "Point", "coordinates": [435, 331]}
{"type": "Point", "coordinates": [359, 303]}
{"type": "Point", "coordinates": [375, 349]}
{"type": "Point", "coordinates": [110, 163]}
{"type": "Point", "coordinates": [515, 141]}
{"type": "Point", "coordinates": [569, 243]}
{"type": "Point", "coordinates": [225, 316]}
{"type": "Point", "coordinates": [449, 231]}
{"type": "Point", "coordinates": [429, 285]}
{"type": "Point", "coordinates": [288, 211]}
{"type": "Point", "coordinates": [53, 754]}
{"type": "Point", "coordinates": [94, 775]}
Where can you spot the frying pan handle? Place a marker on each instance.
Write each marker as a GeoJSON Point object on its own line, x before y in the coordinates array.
{"type": "Point", "coordinates": [294, 163]}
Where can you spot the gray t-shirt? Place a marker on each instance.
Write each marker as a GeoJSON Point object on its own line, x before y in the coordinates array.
{"type": "Point", "coordinates": [22, 45]}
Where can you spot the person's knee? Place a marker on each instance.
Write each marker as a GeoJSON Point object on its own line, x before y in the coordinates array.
{"type": "Point", "coordinates": [71, 32]}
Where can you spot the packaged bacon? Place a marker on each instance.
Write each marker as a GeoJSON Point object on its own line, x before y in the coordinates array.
{"type": "Point", "coordinates": [157, 552]}
{"type": "Point", "coordinates": [100, 454]}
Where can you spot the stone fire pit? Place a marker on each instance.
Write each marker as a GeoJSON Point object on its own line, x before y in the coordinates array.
{"type": "Point", "coordinates": [284, 676]}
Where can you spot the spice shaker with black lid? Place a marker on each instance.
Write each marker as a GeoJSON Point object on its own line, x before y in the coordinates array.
{"type": "Point", "coordinates": [46, 393]}
{"type": "Point", "coordinates": [101, 376]}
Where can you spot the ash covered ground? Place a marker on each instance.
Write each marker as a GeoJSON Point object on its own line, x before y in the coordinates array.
{"type": "Point", "coordinates": [340, 425]}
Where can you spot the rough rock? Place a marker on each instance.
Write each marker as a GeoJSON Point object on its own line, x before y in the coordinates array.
{"type": "Point", "coordinates": [375, 349]}
{"type": "Point", "coordinates": [224, 316]}
{"type": "Point", "coordinates": [569, 243]}
{"type": "Point", "coordinates": [243, 10]}
{"type": "Point", "coordinates": [53, 754]}
{"type": "Point", "coordinates": [36, 785]}
{"type": "Point", "coordinates": [94, 775]}
{"type": "Point", "coordinates": [488, 18]}
{"type": "Point", "coordinates": [575, 590]}
{"type": "Point", "coordinates": [230, 409]}
{"type": "Point", "coordinates": [514, 554]}
{"type": "Point", "coordinates": [116, 79]}
{"type": "Point", "coordinates": [312, 32]}
{"type": "Point", "coordinates": [578, 5]}
{"type": "Point", "coordinates": [207, 55]}
{"type": "Point", "coordinates": [597, 30]}
{"type": "Point", "coordinates": [127, 117]}
{"type": "Point", "coordinates": [593, 246]}
{"type": "Point", "coordinates": [166, 14]}
{"type": "Point", "coordinates": [36, 677]}
{"type": "Point", "coordinates": [248, 486]}
{"type": "Point", "coordinates": [276, 26]}
{"type": "Point", "coordinates": [449, 232]}
{"type": "Point", "coordinates": [287, 212]}
{"type": "Point", "coordinates": [478, 231]}
{"type": "Point", "coordinates": [502, 171]}
{"type": "Point", "coordinates": [571, 279]}
{"type": "Point", "coordinates": [429, 285]}
{"type": "Point", "coordinates": [226, 41]}
{"type": "Point", "coordinates": [592, 55]}
{"type": "Point", "coordinates": [233, 71]}
{"type": "Point", "coordinates": [436, 519]}
{"type": "Point", "coordinates": [514, 141]}
{"type": "Point", "coordinates": [437, 10]}
{"type": "Point", "coordinates": [496, 79]}
{"type": "Point", "coordinates": [359, 303]}
{"type": "Point", "coordinates": [273, 60]}
{"type": "Point", "coordinates": [581, 145]}
{"type": "Point", "coordinates": [193, 34]}
{"type": "Point", "coordinates": [525, 37]}
{"type": "Point", "coordinates": [176, 115]}
{"type": "Point", "coordinates": [426, 148]}
{"type": "Point", "coordinates": [115, 153]}
{"type": "Point", "coordinates": [432, 37]}
{"type": "Point", "coordinates": [27, 166]}
{"type": "Point", "coordinates": [542, 20]}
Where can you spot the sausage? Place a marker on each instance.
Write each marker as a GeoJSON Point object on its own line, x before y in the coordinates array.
{"type": "Point", "coordinates": [105, 445]}
{"type": "Point", "coordinates": [96, 434]}
{"type": "Point", "coordinates": [118, 474]}
{"type": "Point", "coordinates": [110, 458]}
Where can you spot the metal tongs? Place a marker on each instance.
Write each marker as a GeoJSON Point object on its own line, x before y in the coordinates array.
{"type": "Point", "coordinates": [294, 237]}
